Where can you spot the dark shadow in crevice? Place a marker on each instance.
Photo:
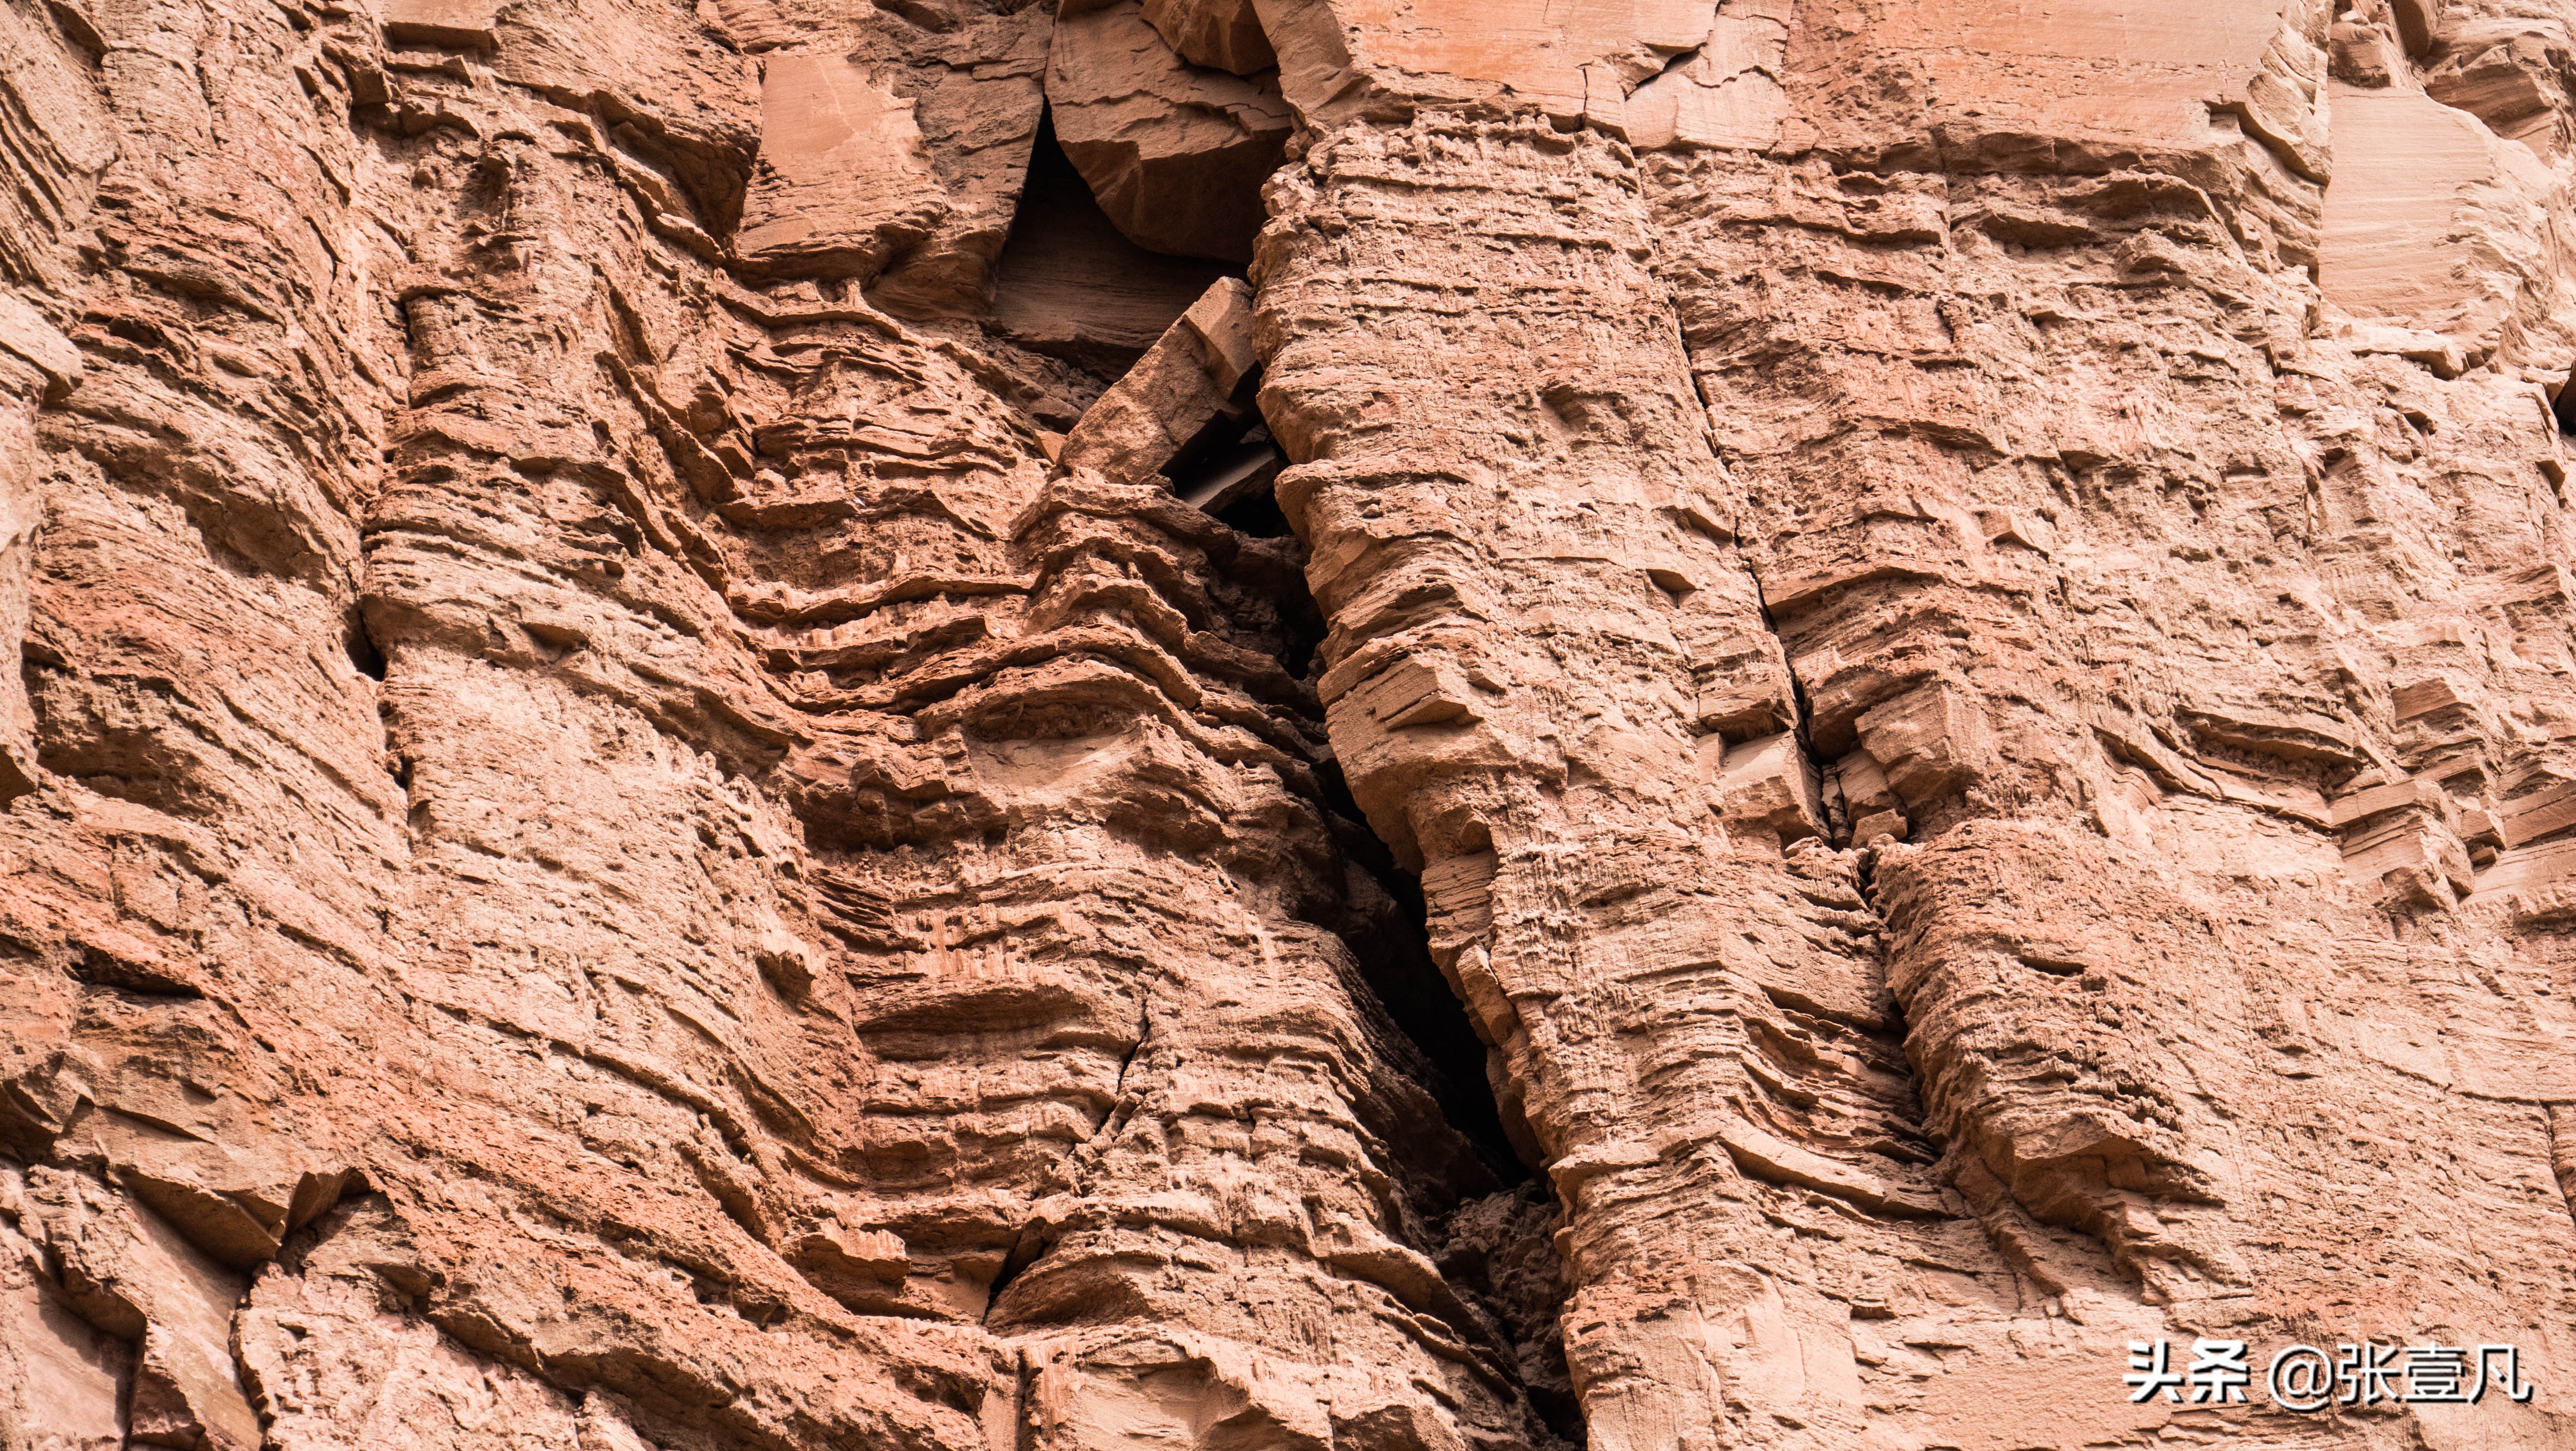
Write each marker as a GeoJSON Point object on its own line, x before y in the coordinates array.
{"type": "Point", "coordinates": [1229, 471]}
{"type": "Point", "coordinates": [1395, 959]}
{"type": "Point", "coordinates": [1215, 447]}
{"type": "Point", "coordinates": [1301, 623]}
{"type": "Point", "coordinates": [1259, 515]}
{"type": "Point", "coordinates": [1071, 286]}
{"type": "Point", "coordinates": [362, 648]}
{"type": "Point", "coordinates": [2563, 404]}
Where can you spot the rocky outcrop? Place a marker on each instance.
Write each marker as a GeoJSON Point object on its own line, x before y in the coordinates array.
{"type": "Point", "coordinates": [843, 183]}
{"type": "Point", "coordinates": [1186, 384]}
{"type": "Point", "coordinates": [679, 770]}
{"type": "Point", "coordinates": [1923, 324]}
{"type": "Point", "coordinates": [908, 127]}
{"type": "Point", "coordinates": [1175, 151]}
{"type": "Point", "coordinates": [1225, 34]}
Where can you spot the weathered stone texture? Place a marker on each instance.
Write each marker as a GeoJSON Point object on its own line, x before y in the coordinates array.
{"type": "Point", "coordinates": [672, 777]}
{"type": "Point", "coordinates": [1176, 151]}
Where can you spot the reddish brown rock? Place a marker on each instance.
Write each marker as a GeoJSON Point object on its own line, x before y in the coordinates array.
{"type": "Point", "coordinates": [1907, 528]}
{"type": "Point", "coordinates": [1225, 34]}
{"type": "Point", "coordinates": [456, 24]}
{"type": "Point", "coordinates": [1950, 623]}
{"type": "Point", "coordinates": [2435, 224]}
{"type": "Point", "coordinates": [842, 183]}
{"type": "Point", "coordinates": [1183, 384]}
{"type": "Point", "coordinates": [969, 76]}
{"type": "Point", "coordinates": [1175, 152]}
{"type": "Point", "coordinates": [1071, 287]}
{"type": "Point", "coordinates": [66, 1380]}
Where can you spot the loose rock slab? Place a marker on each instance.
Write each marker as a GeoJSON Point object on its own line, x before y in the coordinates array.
{"type": "Point", "coordinates": [842, 183]}
{"type": "Point", "coordinates": [1175, 152]}
{"type": "Point", "coordinates": [1184, 383]}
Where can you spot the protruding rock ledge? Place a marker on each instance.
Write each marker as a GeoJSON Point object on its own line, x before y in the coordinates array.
{"type": "Point", "coordinates": [842, 184]}
{"type": "Point", "coordinates": [1175, 152]}
{"type": "Point", "coordinates": [1186, 383]}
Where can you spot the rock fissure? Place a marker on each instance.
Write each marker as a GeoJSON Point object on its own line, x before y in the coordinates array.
{"type": "Point", "coordinates": [1725, 727]}
{"type": "Point", "coordinates": [1144, 1036]}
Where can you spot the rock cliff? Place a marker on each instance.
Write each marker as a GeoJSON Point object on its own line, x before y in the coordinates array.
{"type": "Point", "coordinates": [1264, 725]}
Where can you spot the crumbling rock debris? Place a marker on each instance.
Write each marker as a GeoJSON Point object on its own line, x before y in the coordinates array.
{"type": "Point", "coordinates": [963, 724]}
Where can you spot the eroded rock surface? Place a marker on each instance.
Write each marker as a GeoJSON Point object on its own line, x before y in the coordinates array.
{"type": "Point", "coordinates": [675, 771]}
{"type": "Point", "coordinates": [1175, 151]}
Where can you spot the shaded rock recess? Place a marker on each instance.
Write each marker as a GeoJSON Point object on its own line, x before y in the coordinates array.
{"type": "Point", "coordinates": [1281, 725]}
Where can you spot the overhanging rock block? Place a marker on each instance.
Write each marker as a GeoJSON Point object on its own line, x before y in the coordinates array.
{"type": "Point", "coordinates": [1184, 384]}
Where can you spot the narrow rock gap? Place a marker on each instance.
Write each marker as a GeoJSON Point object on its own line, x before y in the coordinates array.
{"type": "Point", "coordinates": [1801, 730]}
{"type": "Point", "coordinates": [2561, 1119]}
{"type": "Point", "coordinates": [1213, 452]}
{"type": "Point", "coordinates": [1070, 286]}
{"type": "Point", "coordinates": [1257, 514]}
{"type": "Point", "coordinates": [1232, 480]}
{"type": "Point", "coordinates": [1031, 1243]}
{"type": "Point", "coordinates": [1673, 62]}
{"type": "Point", "coordinates": [363, 650]}
{"type": "Point", "coordinates": [1228, 470]}
{"type": "Point", "coordinates": [1144, 1035]}
{"type": "Point", "coordinates": [1497, 1249]}
{"type": "Point", "coordinates": [1023, 1254]}
{"type": "Point", "coordinates": [1828, 774]}
{"type": "Point", "coordinates": [1395, 958]}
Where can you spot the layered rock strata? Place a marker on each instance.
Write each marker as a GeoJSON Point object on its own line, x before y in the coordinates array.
{"type": "Point", "coordinates": [676, 779]}
{"type": "Point", "coordinates": [781, 842]}
{"type": "Point", "coordinates": [2099, 542]}
{"type": "Point", "coordinates": [1174, 149]}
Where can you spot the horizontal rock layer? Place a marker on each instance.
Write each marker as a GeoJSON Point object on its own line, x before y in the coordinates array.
{"type": "Point", "coordinates": [679, 772]}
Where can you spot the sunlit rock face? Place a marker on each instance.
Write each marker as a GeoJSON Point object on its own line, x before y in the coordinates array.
{"type": "Point", "coordinates": [1284, 725]}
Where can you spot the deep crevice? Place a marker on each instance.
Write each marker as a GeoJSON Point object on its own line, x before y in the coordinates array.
{"type": "Point", "coordinates": [1258, 515]}
{"type": "Point", "coordinates": [1828, 774]}
{"type": "Point", "coordinates": [1225, 436]}
{"type": "Point", "coordinates": [1395, 959]}
{"type": "Point", "coordinates": [1388, 940]}
{"type": "Point", "coordinates": [1802, 728]}
{"type": "Point", "coordinates": [1024, 1253]}
{"type": "Point", "coordinates": [1118, 1089]}
{"type": "Point", "coordinates": [362, 648]}
{"type": "Point", "coordinates": [1071, 286]}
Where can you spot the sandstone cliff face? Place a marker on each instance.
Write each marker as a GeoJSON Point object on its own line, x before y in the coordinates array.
{"type": "Point", "coordinates": [1792, 718]}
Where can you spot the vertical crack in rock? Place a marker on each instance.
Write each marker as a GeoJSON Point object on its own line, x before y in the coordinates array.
{"type": "Point", "coordinates": [670, 778]}
{"type": "Point", "coordinates": [2562, 1150]}
{"type": "Point", "coordinates": [1836, 815]}
{"type": "Point", "coordinates": [1595, 845]}
{"type": "Point", "coordinates": [1943, 562]}
{"type": "Point", "coordinates": [860, 916]}
{"type": "Point", "coordinates": [1395, 957]}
